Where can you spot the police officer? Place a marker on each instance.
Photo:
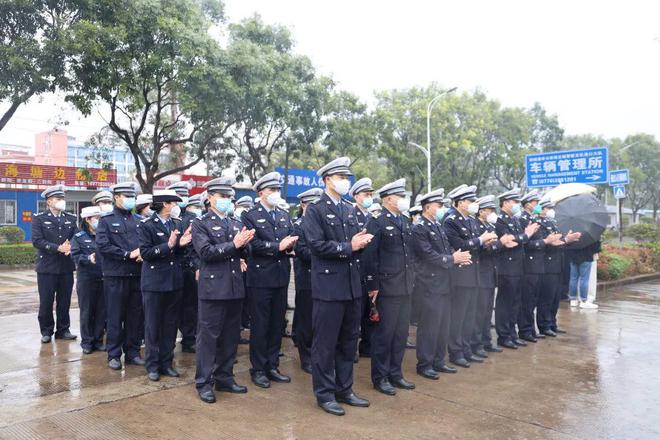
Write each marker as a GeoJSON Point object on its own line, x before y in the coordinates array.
{"type": "Point", "coordinates": [243, 204]}
{"type": "Point", "coordinates": [302, 269]}
{"type": "Point", "coordinates": [52, 231]}
{"type": "Point", "coordinates": [117, 242]}
{"type": "Point", "coordinates": [550, 286]}
{"type": "Point", "coordinates": [533, 268]}
{"type": "Point", "coordinates": [187, 321]}
{"type": "Point", "coordinates": [89, 281]}
{"type": "Point", "coordinates": [220, 243]}
{"type": "Point", "coordinates": [464, 235]}
{"type": "Point", "coordinates": [390, 273]}
{"type": "Point", "coordinates": [335, 241]}
{"type": "Point", "coordinates": [162, 244]}
{"type": "Point", "coordinates": [363, 193]}
{"type": "Point", "coordinates": [435, 258]}
{"type": "Point", "coordinates": [481, 341]}
{"type": "Point", "coordinates": [268, 275]}
{"type": "Point", "coordinates": [103, 199]}
{"type": "Point", "coordinates": [143, 206]}
{"type": "Point", "coordinates": [510, 268]}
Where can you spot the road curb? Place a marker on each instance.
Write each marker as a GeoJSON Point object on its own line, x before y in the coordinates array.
{"type": "Point", "coordinates": [605, 285]}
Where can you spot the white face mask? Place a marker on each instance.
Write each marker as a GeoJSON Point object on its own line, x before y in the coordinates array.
{"type": "Point", "coordinates": [550, 213]}
{"type": "Point", "coordinates": [106, 207]}
{"type": "Point", "coordinates": [175, 212]}
{"type": "Point", "coordinates": [341, 186]}
{"type": "Point", "coordinates": [473, 208]}
{"type": "Point", "coordinates": [492, 218]}
{"type": "Point", "coordinates": [403, 204]}
{"type": "Point", "coordinates": [60, 205]}
{"type": "Point", "coordinates": [274, 199]}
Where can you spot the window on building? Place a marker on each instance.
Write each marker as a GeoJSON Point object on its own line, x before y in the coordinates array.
{"type": "Point", "coordinates": [7, 212]}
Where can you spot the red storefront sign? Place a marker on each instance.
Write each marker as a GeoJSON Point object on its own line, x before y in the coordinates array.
{"type": "Point", "coordinates": [48, 175]}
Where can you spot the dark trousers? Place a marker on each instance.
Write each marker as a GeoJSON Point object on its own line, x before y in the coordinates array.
{"type": "Point", "coordinates": [508, 287]}
{"type": "Point", "coordinates": [531, 285]}
{"type": "Point", "coordinates": [92, 310]}
{"type": "Point", "coordinates": [388, 341]}
{"type": "Point", "coordinates": [462, 298]}
{"type": "Point", "coordinates": [366, 325]}
{"type": "Point", "coordinates": [217, 341]}
{"type": "Point", "coordinates": [161, 312]}
{"type": "Point", "coordinates": [335, 329]}
{"type": "Point", "coordinates": [245, 309]}
{"type": "Point", "coordinates": [267, 310]}
{"type": "Point", "coordinates": [550, 287]}
{"type": "Point", "coordinates": [54, 288]}
{"type": "Point", "coordinates": [123, 308]}
{"type": "Point", "coordinates": [484, 312]}
{"type": "Point", "coordinates": [433, 330]}
{"type": "Point", "coordinates": [187, 321]}
{"type": "Point", "coordinates": [516, 302]}
{"type": "Point", "coordinates": [302, 319]}
{"type": "Point", "coordinates": [417, 300]}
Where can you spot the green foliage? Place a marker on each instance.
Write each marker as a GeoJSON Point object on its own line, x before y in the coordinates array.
{"type": "Point", "coordinates": [17, 254]}
{"type": "Point", "coordinates": [613, 266]}
{"type": "Point", "coordinates": [11, 235]}
{"type": "Point", "coordinates": [644, 232]}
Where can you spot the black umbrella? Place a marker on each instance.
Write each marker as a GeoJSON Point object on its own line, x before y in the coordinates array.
{"type": "Point", "coordinates": [582, 213]}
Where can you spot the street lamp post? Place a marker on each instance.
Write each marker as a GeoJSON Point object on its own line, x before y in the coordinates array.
{"type": "Point", "coordinates": [427, 150]}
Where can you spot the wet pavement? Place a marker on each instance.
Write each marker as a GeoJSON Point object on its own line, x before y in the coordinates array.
{"type": "Point", "coordinates": [600, 381]}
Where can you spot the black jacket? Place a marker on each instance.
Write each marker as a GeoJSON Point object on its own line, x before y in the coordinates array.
{"type": "Point", "coordinates": [162, 270]}
{"type": "Point", "coordinates": [116, 238]}
{"type": "Point", "coordinates": [48, 233]}
{"type": "Point", "coordinates": [434, 258]}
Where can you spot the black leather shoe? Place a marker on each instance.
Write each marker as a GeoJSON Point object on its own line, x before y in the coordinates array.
{"type": "Point", "coordinates": [207, 396]}
{"type": "Point", "coordinates": [353, 400]}
{"type": "Point", "coordinates": [188, 349]}
{"type": "Point", "coordinates": [137, 360]}
{"type": "Point", "coordinates": [445, 369]}
{"type": "Point", "coordinates": [519, 342]}
{"type": "Point", "coordinates": [508, 344]}
{"type": "Point", "coordinates": [234, 388]}
{"type": "Point", "coordinates": [153, 376]}
{"type": "Point", "coordinates": [550, 333]}
{"type": "Point", "coordinates": [481, 353]}
{"type": "Point", "coordinates": [402, 383]}
{"type": "Point", "coordinates": [493, 349]}
{"type": "Point", "coordinates": [259, 379]}
{"type": "Point", "coordinates": [169, 372]}
{"type": "Point", "coordinates": [333, 408]}
{"type": "Point", "coordinates": [88, 350]}
{"type": "Point", "coordinates": [101, 347]}
{"type": "Point", "coordinates": [475, 358]}
{"type": "Point", "coordinates": [461, 362]}
{"type": "Point", "coordinates": [306, 368]}
{"type": "Point", "coordinates": [276, 376]}
{"type": "Point", "coordinates": [67, 335]}
{"type": "Point", "coordinates": [114, 364]}
{"type": "Point", "coordinates": [559, 331]}
{"type": "Point", "coordinates": [529, 338]}
{"type": "Point", "coordinates": [429, 373]}
{"type": "Point", "coordinates": [45, 339]}
{"type": "Point", "coordinates": [385, 387]}
{"type": "Point", "coordinates": [539, 336]}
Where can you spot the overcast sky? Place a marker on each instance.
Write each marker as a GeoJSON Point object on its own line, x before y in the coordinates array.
{"type": "Point", "coordinates": [594, 63]}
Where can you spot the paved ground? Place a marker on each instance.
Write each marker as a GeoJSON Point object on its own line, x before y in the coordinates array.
{"type": "Point", "coordinates": [598, 382]}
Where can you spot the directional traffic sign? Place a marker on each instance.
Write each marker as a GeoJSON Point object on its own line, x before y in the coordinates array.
{"type": "Point", "coordinates": [575, 166]}
{"type": "Point", "coordinates": [619, 192]}
{"type": "Point", "coordinates": [619, 177]}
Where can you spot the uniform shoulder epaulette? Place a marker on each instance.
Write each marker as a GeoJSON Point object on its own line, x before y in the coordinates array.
{"type": "Point", "coordinates": [144, 220]}
{"type": "Point", "coordinates": [314, 202]}
{"type": "Point", "coordinates": [205, 216]}
{"type": "Point", "coordinates": [69, 214]}
{"type": "Point", "coordinates": [80, 233]}
{"type": "Point", "coordinates": [451, 216]}
{"type": "Point", "coordinates": [37, 214]}
{"type": "Point", "coordinates": [298, 221]}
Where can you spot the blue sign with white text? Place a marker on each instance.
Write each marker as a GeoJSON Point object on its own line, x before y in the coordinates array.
{"type": "Point", "coordinates": [575, 166]}
{"type": "Point", "coordinates": [619, 177]}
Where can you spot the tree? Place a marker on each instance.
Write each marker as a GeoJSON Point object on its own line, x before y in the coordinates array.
{"type": "Point", "coordinates": [144, 58]}
{"type": "Point", "coordinates": [283, 101]}
{"type": "Point", "coordinates": [31, 55]}
{"type": "Point", "coordinates": [640, 153]}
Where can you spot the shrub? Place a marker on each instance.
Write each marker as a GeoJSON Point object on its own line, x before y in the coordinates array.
{"type": "Point", "coordinates": [11, 235]}
{"type": "Point", "coordinates": [612, 266]}
{"type": "Point", "coordinates": [643, 232]}
{"type": "Point", "coordinates": [17, 254]}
